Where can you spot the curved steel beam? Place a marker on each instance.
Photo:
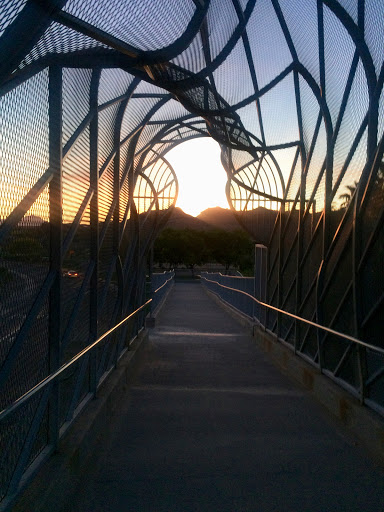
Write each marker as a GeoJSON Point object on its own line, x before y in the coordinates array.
{"type": "Point", "coordinates": [140, 57]}
{"type": "Point", "coordinates": [24, 32]}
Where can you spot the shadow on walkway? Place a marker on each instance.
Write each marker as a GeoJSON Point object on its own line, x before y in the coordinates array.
{"type": "Point", "coordinates": [210, 425]}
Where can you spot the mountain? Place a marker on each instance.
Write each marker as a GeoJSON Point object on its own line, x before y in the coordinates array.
{"type": "Point", "coordinates": [181, 220]}
{"type": "Point", "coordinates": [220, 218]}
{"type": "Point", "coordinates": [258, 222]}
{"type": "Point", "coordinates": [212, 218]}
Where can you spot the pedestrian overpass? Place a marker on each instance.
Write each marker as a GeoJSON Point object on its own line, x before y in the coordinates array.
{"type": "Point", "coordinates": [92, 97]}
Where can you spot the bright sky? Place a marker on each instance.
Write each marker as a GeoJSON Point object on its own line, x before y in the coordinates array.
{"type": "Point", "coordinates": [201, 176]}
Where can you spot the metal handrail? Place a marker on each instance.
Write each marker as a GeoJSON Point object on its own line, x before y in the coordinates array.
{"type": "Point", "coordinates": [21, 400]}
{"type": "Point", "coordinates": [166, 282]}
{"type": "Point", "coordinates": [313, 324]}
{"type": "Point", "coordinates": [225, 275]}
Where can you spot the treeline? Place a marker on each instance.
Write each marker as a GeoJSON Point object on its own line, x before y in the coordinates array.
{"type": "Point", "coordinates": [189, 247]}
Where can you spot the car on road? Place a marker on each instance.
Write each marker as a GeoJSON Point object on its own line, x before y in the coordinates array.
{"type": "Point", "coordinates": [71, 273]}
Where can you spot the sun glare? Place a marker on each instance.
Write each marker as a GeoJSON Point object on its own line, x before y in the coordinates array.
{"type": "Point", "coordinates": [201, 176]}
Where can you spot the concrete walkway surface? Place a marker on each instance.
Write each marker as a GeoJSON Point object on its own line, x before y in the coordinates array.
{"type": "Point", "coordinates": [210, 425]}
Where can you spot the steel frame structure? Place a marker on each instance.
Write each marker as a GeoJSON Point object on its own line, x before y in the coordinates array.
{"type": "Point", "coordinates": [92, 98]}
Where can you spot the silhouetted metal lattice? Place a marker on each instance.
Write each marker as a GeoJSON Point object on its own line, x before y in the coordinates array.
{"type": "Point", "coordinates": [93, 96]}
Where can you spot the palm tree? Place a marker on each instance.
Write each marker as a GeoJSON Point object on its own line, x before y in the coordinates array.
{"type": "Point", "coordinates": [347, 196]}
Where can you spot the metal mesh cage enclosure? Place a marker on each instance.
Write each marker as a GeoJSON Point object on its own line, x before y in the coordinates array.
{"type": "Point", "coordinates": [94, 95]}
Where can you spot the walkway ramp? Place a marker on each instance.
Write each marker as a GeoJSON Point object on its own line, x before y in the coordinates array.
{"type": "Point", "coordinates": [211, 425]}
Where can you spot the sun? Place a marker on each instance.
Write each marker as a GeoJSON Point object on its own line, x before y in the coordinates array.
{"type": "Point", "coordinates": [201, 176]}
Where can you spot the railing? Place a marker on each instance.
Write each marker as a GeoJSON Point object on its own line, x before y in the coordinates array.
{"type": "Point", "coordinates": [48, 381]}
{"type": "Point", "coordinates": [121, 337]}
{"type": "Point", "coordinates": [227, 287]}
{"type": "Point", "coordinates": [160, 284]}
{"type": "Point", "coordinates": [247, 304]}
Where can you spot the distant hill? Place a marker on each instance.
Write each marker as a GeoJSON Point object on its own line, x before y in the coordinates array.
{"type": "Point", "coordinates": [181, 220]}
{"type": "Point", "coordinates": [220, 218]}
{"type": "Point", "coordinates": [258, 222]}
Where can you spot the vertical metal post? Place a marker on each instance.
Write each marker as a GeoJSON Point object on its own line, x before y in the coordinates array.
{"type": "Point", "coordinates": [150, 273]}
{"type": "Point", "coordinates": [56, 235]}
{"type": "Point", "coordinates": [260, 280]}
{"type": "Point", "coordinates": [255, 306]}
{"type": "Point", "coordinates": [94, 221]}
{"type": "Point", "coordinates": [326, 231]}
{"type": "Point", "coordinates": [116, 192]}
{"type": "Point", "coordinates": [357, 234]}
{"type": "Point", "coordinates": [263, 289]}
{"type": "Point", "coordinates": [135, 258]}
{"type": "Point", "coordinates": [303, 153]}
{"type": "Point", "coordinates": [279, 273]}
{"type": "Point", "coordinates": [136, 262]}
{"type": "Point", "coordinates": [320, 29]}
{"type": "Point", "coordinates": [116, 225]}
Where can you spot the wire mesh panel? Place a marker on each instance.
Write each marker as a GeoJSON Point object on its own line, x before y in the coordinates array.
{"type": "Point", "coordinates": [92, 97]}
{"type": "Point", "coordinates": [8, 12]}
{"type": "Point", "coordinates": [24, 268]}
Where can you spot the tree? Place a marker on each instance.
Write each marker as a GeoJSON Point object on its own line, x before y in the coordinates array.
{"type": "Point", "coordinates": [194, 250]}
{"type": "Point", "coordinates": [168, 248]}
{"type": "Point", "coordinates": [230, 248]}
{"type": "Point", "coordinates": [24, 248]}
{"type": "Point", "coordinates": [347, 196]}
{"type": "Point", "coordinates": [191, 247]}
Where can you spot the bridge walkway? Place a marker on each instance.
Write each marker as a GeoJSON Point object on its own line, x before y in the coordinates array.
{"type": "Point", "coordinates": [211, 425]}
